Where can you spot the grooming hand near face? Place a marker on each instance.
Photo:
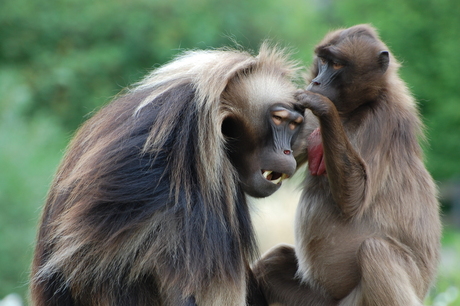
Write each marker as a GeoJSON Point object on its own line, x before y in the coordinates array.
{"type": "Point", "coordinates": [367, 226]}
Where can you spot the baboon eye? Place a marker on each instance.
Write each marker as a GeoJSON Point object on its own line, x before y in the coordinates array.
{"type": "Point", "coordinates": [323, 61]}
{"type": "Point", "coordinates": [277, 119]}
{"type": "Point", "coordinates": [337, 66]}
{"type": "Point", "coordinates": [293, 125]}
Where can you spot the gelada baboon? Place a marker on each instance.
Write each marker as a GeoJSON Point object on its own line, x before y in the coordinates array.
{"type": "Point", "coordinates": [367, 225]}
{"type": "Point", "coordinates": [148, 205]}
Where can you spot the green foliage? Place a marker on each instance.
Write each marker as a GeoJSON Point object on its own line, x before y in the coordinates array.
{"type": "Point", "coordinates": [77, 54]}
{"type": "Point", "coordinates": [62, 59]}
{"type": "Point", "coordinates": [30, 151]}
{"type": "Point", "coordinates": [447, 290]}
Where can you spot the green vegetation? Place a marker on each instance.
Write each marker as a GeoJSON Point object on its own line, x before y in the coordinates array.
{"type": "Point", "coordinates": [447, 290]}
{"type": "Point", "coordinates": [61, 59]}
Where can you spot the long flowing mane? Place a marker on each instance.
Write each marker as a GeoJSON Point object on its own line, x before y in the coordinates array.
{"type": "Point", "coordinates": [146, 184]}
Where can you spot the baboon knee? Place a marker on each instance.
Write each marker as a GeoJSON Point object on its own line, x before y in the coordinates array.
{"type": "Point", "coordinates": [388, 273]}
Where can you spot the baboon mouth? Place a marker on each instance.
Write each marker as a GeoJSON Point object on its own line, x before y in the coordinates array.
{"type": "Point", "coordinates": [274, 177]}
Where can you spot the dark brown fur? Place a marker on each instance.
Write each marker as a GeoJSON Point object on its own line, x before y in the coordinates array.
{"type": "Point", "coordinates": [368, 233]}
{"type": "Point", "coordinates": [147, 207]}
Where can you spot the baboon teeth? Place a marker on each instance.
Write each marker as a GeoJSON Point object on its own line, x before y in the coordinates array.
{"type": "Point", "coordinates": [266, 174]}
{"type": "Point", "coordinates": [274, 177]}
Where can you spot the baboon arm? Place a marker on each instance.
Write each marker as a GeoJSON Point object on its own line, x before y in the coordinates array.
{"type": "Point", "coordinates": [346, 170]}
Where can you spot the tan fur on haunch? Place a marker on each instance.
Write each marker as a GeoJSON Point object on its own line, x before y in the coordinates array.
{"type": "Point", "coordinates": [146, 207]}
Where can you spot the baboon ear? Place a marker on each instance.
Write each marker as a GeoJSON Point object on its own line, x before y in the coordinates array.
{"type": "Point", "coordinates": [384, 60]}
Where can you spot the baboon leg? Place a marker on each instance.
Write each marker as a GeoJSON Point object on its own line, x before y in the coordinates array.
{"type": "Point", "coordinates": [255, 295]}
{"type": "Point", "coordinates": [276, 273]}
{"type": "Point", "coordinates": [388, 274]}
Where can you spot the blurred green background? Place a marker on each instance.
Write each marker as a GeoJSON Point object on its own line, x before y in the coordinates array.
{"type": "Point", "coordinates": [61, 59]}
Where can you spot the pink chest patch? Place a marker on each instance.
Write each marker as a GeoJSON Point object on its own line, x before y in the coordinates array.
{"type": "Point", "coordinates": [316, 163]}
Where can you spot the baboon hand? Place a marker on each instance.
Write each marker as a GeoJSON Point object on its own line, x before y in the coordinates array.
{"type": "Point", "coordinates": [318, 104]}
